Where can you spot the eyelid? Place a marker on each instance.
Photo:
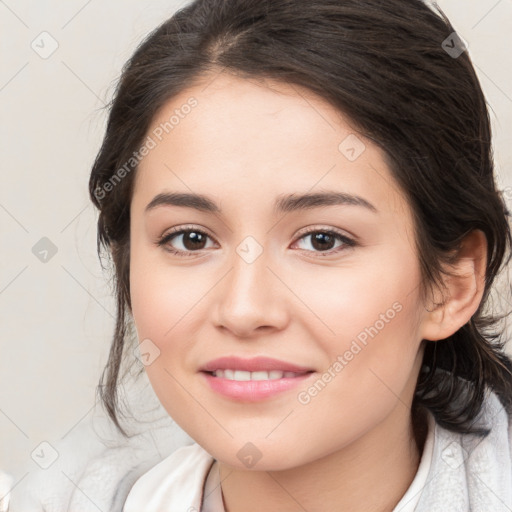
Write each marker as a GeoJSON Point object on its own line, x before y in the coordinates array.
{"type": "Point", "coordinates": [190, 227]}
{"type": "Point", "coordinates": [178, 230]}
{"type": "Point", "coordinates": [324, 229]}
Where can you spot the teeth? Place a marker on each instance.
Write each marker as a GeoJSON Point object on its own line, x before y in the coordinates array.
{"type": "Point", "coordinates": [258, 375]}
{"type": "Point", "coordinates": [242, 375]}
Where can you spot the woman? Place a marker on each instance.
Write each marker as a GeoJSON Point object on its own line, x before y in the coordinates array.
{"type": "Point", "coordinates": [300, 203]}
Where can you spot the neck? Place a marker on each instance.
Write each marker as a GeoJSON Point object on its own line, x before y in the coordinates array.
{"type": "Point", "coordinates": [371, 474]}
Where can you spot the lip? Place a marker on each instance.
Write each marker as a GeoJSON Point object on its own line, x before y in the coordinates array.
{"type": "Point", "coordinates": [253, 390]}
{"type": "Point", "coordinates": [254, 364]}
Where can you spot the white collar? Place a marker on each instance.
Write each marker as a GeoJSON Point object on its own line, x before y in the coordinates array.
{"type": "Point", "coordinates": [175, 483]}
{"type": "Point", "coordinates": [188, 480]}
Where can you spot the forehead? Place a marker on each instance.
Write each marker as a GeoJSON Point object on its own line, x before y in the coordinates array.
{"type": "Point", "coordinates": [260, 139]}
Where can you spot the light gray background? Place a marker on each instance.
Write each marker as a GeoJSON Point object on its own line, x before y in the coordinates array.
{"type": "Point", "coordinates": [57, 317]}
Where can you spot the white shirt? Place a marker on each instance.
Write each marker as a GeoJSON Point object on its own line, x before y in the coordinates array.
{"type": "Point", "coordinates": [188, 480]}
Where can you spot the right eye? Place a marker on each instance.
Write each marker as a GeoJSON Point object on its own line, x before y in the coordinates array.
{"type": "Point", "coordinates": [194, 238]}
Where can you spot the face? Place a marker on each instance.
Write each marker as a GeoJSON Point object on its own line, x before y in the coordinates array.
{"type": "Point", "coordinates": [331, 286]}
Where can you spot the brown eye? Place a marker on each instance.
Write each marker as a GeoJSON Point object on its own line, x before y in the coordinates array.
{"type": "Point", "coordinates": [323, 241]}
{"type": "Point", "coordinates": [191, 240]}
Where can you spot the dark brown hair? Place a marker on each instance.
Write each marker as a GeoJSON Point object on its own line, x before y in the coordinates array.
{"type": "Point", "coordinates": [399, 72]}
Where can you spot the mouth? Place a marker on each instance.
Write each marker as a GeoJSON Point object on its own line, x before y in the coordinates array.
{"type": "Point", "coordinates": [254, 379]}
{"type": "Point", "coordinates": [257, 386]}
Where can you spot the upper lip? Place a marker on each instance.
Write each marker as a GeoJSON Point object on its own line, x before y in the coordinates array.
{"type": "Point", "coordinates": [252, 365]}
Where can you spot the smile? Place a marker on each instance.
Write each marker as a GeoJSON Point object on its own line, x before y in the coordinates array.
{"type": "Point", "coordinates": [245, 386]}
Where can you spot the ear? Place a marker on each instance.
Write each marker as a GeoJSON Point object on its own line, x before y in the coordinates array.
{"type": "Point", "coordinates": [463, 292]}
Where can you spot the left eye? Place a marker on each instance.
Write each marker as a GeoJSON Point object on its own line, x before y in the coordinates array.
{"type": "Point", "coordinates": [321, 239]}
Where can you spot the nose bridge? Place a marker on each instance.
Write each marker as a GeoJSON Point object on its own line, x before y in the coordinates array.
{"type": "Point", "coordinates": [248, 297]}
{"type": "Point", "coordinates": [249, 272]}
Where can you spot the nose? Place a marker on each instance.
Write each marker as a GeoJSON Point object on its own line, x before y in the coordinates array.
{"type": "Point", "coordinates": [251, 298]}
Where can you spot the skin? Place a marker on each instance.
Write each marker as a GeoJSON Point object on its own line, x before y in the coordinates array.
{"type": "Point", "coordinates": [352, 447]}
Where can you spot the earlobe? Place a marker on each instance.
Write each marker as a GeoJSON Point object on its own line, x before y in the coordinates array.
{"type": "Point", "coordinates": [463, 290]}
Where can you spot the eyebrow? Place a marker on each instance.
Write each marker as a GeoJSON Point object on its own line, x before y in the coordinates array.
{"type": "Point", "coordinates": [283, 204]}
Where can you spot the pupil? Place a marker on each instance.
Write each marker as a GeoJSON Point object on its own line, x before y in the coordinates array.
{"type": "Point", "coordinates": [320, 238]}
{"type": "Point", "coordinates": [195, 238]}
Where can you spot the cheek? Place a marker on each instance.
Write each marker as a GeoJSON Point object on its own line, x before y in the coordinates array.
{"type": "Point", "coordinates": [370, 299]}
{"type": "Point", "coordinates": [160, 294]}
{"type": "Point", "coordinates": [169, 309]}
{"type": "Point", "coordinates": [371, 357]}
{"type": "Point", "coordinates": [161, 298]}
{"type": "Point", "coordinates": [368, 326]}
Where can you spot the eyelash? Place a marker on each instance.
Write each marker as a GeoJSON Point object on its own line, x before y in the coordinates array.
{"type": "Point", "coordinates": [165, 239]}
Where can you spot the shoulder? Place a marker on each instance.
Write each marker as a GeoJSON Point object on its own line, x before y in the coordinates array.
{"type": "Point", "coordinates": [471, 472]}
{"type": "Point", "coordinates": [174, 483]}
{"type": "Point", "coordinates": [95, 467]}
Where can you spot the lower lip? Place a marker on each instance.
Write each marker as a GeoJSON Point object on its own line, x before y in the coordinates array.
{"type": "Point", "coordinates": [253, 390]}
